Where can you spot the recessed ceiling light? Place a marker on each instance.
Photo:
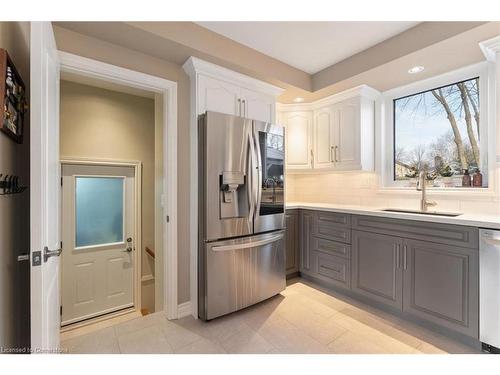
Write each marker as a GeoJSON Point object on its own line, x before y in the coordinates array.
{"type": "Point", "coordinates": [416, 69]}
{"type": "Point", "coordinates": [298, 100]}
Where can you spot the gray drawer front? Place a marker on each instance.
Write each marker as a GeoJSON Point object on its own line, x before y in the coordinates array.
{"type": "Point", "coordinates": [448, 234]}
{"type": "Point", "coordinates": [332, 269]}
{"type": "Point", "coordinates": [332, 226]}
{"type": "Point", "coordinates": [331, 247]}
{"type": "Point", "coordinates": [334, 218]}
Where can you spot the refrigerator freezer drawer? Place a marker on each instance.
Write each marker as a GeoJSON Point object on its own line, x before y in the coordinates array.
{"type": "Point", "coordinates": [239, 273]}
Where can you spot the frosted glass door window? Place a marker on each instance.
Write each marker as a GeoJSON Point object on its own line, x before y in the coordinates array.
{"type": "Point", "coordinates": [99, 210]}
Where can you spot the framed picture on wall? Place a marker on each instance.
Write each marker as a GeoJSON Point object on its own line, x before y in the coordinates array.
{"type": "Point", "coordinates": [13, 92]}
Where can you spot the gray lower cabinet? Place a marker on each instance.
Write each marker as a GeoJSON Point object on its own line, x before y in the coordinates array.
{"type": "Point", "coordinates": [429, 271]}
{"type": "Point", "coordinates": [292, 242]}
{"type": "Point", "coordinates": [431, 281]}
{"type": "Point", "coordinates": [306, 226]}
{"type": "Point", "coordinates": [441, 285]}
{"type": "Point", "coordinates": [376, 271]}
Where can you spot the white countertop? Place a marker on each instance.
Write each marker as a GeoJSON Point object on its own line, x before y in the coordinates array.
{"type": "Point", "coordinates": [473, 220]}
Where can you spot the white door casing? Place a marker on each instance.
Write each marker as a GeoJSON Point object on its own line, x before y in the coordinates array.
{"type": "Point", "coordinates": [98, 278]}
{"type": "Point", "coordinates": [45, 187]}
{"type": "Point", "coordinates": [168, 188]}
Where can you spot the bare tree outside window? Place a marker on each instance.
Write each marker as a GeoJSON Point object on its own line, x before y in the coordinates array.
{"type": "Point", "coordinates": [438, 130]}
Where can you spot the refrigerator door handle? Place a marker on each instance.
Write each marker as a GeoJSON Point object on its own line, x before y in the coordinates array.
{"type": "Point", "coordinates": [250, 177]}
{"type": "Point", "coordinates": [247, 245]}
{"type": "Point", "coordinates": [257, 170]}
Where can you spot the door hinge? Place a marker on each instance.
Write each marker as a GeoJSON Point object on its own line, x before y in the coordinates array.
{"type": "Point", "coordinates": [168, 219]}
{"type": "Point", "coordinates": [61, 181]}
{"type": "Point", "coordinates": [60, 310]}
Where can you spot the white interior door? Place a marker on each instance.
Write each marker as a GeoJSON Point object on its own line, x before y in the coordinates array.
{"type": "Point", "coordinates": [45, 187]}
{"type": "Point", "coordinates": [98, 259]}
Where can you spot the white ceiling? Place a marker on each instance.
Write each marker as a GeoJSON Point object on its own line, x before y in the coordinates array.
{"type": "Point", "coordinates": [309, 46]}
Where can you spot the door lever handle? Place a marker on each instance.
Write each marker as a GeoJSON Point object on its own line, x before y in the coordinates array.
{"type": "Point", "coordinates": [50, 253]}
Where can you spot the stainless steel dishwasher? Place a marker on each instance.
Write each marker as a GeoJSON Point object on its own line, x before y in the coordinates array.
{"type": "Point", "coordinates": [489, 289]}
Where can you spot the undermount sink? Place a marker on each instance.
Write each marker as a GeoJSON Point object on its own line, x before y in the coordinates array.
{"type": "Point", "coordinates": [435, 213]}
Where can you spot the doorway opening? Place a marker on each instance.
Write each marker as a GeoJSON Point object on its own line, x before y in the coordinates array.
{"type": "Point", "coordinates": [107, 149]}
{"type": "Point", "coordinates": [119, 249]}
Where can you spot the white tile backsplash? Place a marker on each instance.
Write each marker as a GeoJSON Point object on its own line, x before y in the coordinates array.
{"type": "Point", "coordinates": [362, 189]}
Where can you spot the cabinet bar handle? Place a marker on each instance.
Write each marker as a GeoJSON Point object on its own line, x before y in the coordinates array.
{"type": "Point", "coordinates": [331, 154]}
{"type": "Point", "coordinates": [336, 148]}
{"type": "Point", "coordinates": [405, 257]}
{"type": "Point", "coordinates": [239, 107]}
{"type": "Point", "coordinates": [397, 247]}
{"type": "Point", "coordinates": [312, 158]}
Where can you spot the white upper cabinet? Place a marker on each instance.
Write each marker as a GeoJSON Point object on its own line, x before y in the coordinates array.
{"type": "Point", "coordinates": [347, 136]}
{"type": "Point", "coordinates": [218, 96]}
{"type": "Point", "coordinates": [323, 138]}
{"type": "Point", "coordinates": [214, 88]}
{"type": "Point", "coordinates": [341, 137]}
{"type": "Point", "coordinates": [258, 106]}
{"type": "Point", "coordinates": [298, 139]}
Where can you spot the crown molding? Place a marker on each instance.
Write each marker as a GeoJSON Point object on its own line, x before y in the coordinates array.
{"type": "Point", "coordinates": [194, 66]}
{"type": "Point", "coordinates": [490, 48]}
{"type": "Point", "coordinates": [363, 91]}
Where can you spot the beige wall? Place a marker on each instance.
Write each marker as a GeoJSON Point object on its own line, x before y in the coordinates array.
{"type": "Point", "coordinates": [14, 209]}
{"type": "Point", "coordinates": [112, 54]}
{"type": "Point", "coordinates": [105, 124]}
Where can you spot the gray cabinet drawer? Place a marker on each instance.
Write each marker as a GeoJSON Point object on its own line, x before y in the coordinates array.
{"type": "Point", "coordinates": [334, 218]}
{"type": "Point", "coordinates": [331, 247]}
{"type": "Point", "coordinates": [332, 226]}
{"type": "Point", "coordinates": [448, 234]}
{"type": "Point", "coordinates": [332, 269]}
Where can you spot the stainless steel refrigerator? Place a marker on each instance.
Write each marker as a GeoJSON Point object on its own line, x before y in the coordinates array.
{"type": "Point", "coordinates": [241, 253]}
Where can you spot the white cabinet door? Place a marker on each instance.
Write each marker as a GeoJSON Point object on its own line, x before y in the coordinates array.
{"type": "Point", "coordinates": [347, 137]}
{"type": "Point", "coordinates": [298, 134]}
{"type": "Point", "coordinates": [323, 138]}
{"type": "Point", "coordinates": [257, 106]}
{"type": "Point", "coordinates": [218, 96]}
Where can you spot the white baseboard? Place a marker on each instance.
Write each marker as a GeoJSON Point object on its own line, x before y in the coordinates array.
{"type": "Point", "coordinates": [184, 309]}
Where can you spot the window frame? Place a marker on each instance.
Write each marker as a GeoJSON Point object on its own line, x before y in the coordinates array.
{"type": "Point", "coordinates": [386, 123]}
{"type": "Point", "coordinates": [124, 218]}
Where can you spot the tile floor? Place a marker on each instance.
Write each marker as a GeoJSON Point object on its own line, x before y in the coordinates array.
{"type": "Point", "coordinates": [303, 319]}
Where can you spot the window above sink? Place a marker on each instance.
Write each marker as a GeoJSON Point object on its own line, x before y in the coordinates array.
{"type": "Point", "coordinates": [440, 125]}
